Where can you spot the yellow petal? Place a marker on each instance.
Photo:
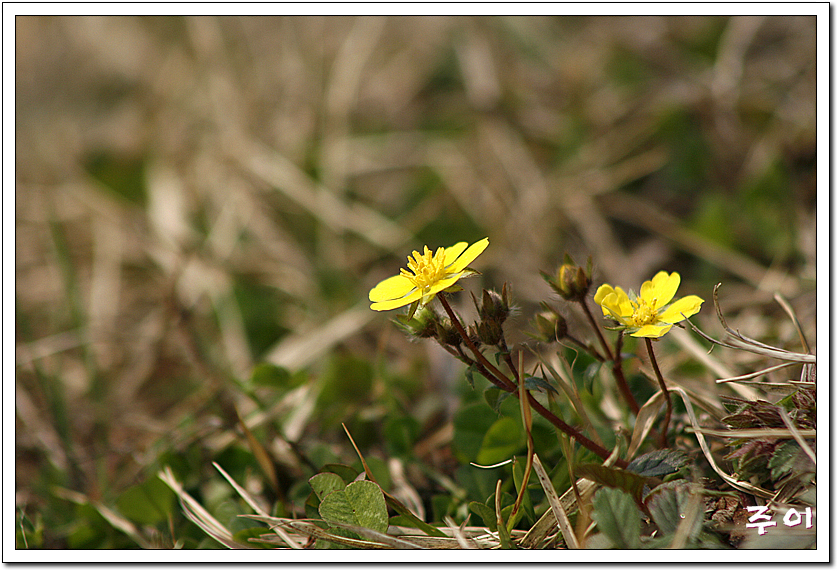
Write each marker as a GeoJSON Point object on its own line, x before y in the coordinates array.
{"type": "Point", "coordinates": [392, 288]}
{"type": "Point", "coordinates": [453, 252]}
{"type": "Point", "coordinates": [443, 284]}
{"type": "Point", "coordinates": [394, 303]}
{"type": "Point", "coordinates": [617, 306]}
{"type": "Point", "coordinates": [681, 309]}
{"type": "Point", "coordinates": [622, 302]}
{"type": "Point", "coordinates": [652, 331]}
{"type": "Point", "coordinates": [602, 292]}
{"type": "Point", "coordinates": [661, 289]}
{"type": "Point", "coordinates": [468, 256]}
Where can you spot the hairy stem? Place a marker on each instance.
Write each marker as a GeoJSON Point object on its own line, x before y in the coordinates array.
{"type": "Point", "coordinates": [665, 391]}
{"type": "Point", "coordinates": [616, 360]}
{"type": "Point", "coordinates": [497, 378]}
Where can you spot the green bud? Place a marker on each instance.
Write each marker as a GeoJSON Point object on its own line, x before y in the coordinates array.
{"type": "Point", "coordinates": [550, 324]}
{"type": "Point", "coordinates": [471, 330]}
{"type": "Point", "coordinates": [423, 324]}
{"type": "Point", "coordinates": [447, 333]}
{"type": "Point", "coordinates": [490, 332]}
{"type": "Point", "coordinates": [571, 282]}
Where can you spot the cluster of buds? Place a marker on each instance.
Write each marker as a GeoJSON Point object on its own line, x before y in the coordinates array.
{"type": "Point", "coordinates": [493, 311]}
{"type": "Point", "coordinates": [423, 324]}
{"type": "Point", "coordinates": [427, 324]}
{"type": "Point", "coordinates": [571, 281]}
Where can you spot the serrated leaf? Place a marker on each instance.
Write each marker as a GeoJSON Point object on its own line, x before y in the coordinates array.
{"type": "Point", "coordinates": [623, 480]}
{"type": "Point", "coordinates": [325, 483]}
{"type": "Point", "coordinates": [360, 503]}
{"type": "Point", "coordinates": [617, 517]}
{"type": "Point", "coordinates": [667, 504]}
{"type": "Point", "coordinates": [658, 463]}
{"type": "Point", "coordinates": [783, 459]}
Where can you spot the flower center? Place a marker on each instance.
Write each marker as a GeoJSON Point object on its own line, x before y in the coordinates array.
{"type": "Point", "coordinates": [424, 270]}
{"type": "Point", "coordinates": [643, 313]}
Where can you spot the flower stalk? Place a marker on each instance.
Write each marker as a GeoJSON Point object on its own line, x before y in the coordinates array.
{"type": "Point", "coordinates": [666, 419]}
{"type": "Point", "coordinates": [615, 358]}
{"type": "Point", "coordinates": [497, 378]}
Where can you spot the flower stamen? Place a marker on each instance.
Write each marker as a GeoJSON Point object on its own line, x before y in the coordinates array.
{"type": "Point", "coordinates": [644, 313]}
{"type": "Point", "coordinates": [424, 270]}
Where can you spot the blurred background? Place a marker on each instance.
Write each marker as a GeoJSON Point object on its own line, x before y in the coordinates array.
{"type": "Point", "coordinates": [199, 197]}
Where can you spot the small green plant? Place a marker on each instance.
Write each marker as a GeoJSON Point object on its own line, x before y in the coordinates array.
{"type": "Point", "coordinates": [596, 492]}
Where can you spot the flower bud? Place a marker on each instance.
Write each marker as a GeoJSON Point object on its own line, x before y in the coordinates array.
{"type": "Point", "coordinates": [473, 335]}
{"type": "Point", "coordinates": [571, 282]}
{"type": "Point", "coordinates": [550, 324]}
{"type": "Point", "coordinates": [490, 331]}
{"type": "Point", "coordinates": [447, 333]}
{"type": "Point", "coordinates": [423, 324]}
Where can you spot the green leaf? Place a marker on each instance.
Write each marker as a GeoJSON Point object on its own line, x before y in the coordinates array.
{"type": "Point", "coordinates": [668, 503]}
{"type": "Point", "coordinates": [628, 482]}
{"type": "Point", "coordinates": [502, 440]}
{"type": "Point", "coordinates": [122, 174]}
{"type": "Point", "coordinates": [380, 471]}
{"type": "Point", "coordinates": [402, 521]}
{"type": "Point", "coordinates": [617, 516]}
{"type": "Point", "coordinates": [590, 375]}
{"type": "Point", "coordinates": [783, 459]}
{"type": "Point", "coordinates": [311, 506]}
{"type": "Point", "coordinates": [539, 384]}
{"type": "Point", "coordinates": [486, 513]}
{"type": "Point", "coordinates": [470, 375]}
{"type": "Point", "coordinates": [360, 503]}
{"type": "Point", "coordinates": [659, 463]}
{"type": "Point", "coordinates": [401, 433]}
{"type": "Point", "coordinates": [148, 503]}
{"type": "Point", "coordinates": [478, 482]}
{"type": "Point", "coordinates": [346, 473]}
{"type": "Point", "coordinates": [506, 513]}
{"type": "Point", "coordinates": [325, 483]}
{"type": "Point", "coordinates": [470, 426]}
{"type": "Point", "coordinates": [270, 375]}
{"type": "Point", "coordinates": [518, 478]}
{"type": "Point", "coordinates": [494, 396]}
{"type": "Point", "coordinates": [412, 310]}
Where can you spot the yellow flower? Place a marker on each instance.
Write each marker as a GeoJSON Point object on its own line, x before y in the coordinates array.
{"type": "Point", "coordinates": [648, 315]}
{"type": "Point", "coordinates": [426, 275]}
